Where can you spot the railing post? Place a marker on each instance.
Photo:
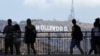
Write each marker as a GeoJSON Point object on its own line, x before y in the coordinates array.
{"type": "Point", "coordinates": [85, 39]}
{"type": "Point", "coordinates": [48, 43]}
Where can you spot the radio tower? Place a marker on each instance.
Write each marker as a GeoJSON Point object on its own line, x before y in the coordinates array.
{"type": "Point", "coordinates": [72, 15]}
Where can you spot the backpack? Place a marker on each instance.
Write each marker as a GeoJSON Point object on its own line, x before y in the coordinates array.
{"type": "Point", "coordinates": [79, 33]}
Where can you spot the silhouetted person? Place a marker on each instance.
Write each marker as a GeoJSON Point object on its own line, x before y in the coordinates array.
{"type": "Point", "coordinates": [96, 32]}
{"type": "Point", "coordinates": [30, 36]}
{"type": "Point", "coordinates": [93, 39]}
{"type": "Point", "coordinates": [17, 38]}
{"type": "Point", "coordinates": [76, 37]}
{"type": "Point", "coordinates": [8, 41]}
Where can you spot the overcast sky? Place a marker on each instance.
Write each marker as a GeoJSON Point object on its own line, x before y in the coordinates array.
{"type": "Point", "coordinates": [85, 10]}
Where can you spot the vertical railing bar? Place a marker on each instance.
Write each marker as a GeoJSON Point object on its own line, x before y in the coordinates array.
{"type": "Point", "coordinates": [85, 38]}
{"type": "Point", "coordinates": [48, 43]}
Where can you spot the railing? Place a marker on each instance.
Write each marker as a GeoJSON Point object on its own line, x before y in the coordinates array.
{"type": "Point", "coordinates": [53, 43]}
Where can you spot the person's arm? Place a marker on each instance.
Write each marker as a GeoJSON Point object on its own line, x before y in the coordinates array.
{"type": "Point", "coordinates": [92, 33]}
{"type": "Point", "coordinates": [72, 31]}
{"type": "Point", "coordinates": [19, 33]}
{"type": "Point", "coordinates": [34, 30]}
{"type": "Point", "coordinates": [4, 31]}
{"type": "Point", "coordinates": [25, 31]}
{"type": "Point", "coordinates": [25, 34]}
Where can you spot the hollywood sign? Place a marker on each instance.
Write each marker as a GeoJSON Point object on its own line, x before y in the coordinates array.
{"type": "Point", "coordinates": [51, 28]}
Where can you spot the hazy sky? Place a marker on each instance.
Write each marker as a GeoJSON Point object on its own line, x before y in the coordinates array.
{"type": "Point", "coordinates": [85, 10]}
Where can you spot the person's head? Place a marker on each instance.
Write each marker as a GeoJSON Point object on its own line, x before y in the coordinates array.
{"type": "Point", "coordinates": [28, 21]}
{"type": "Point", "coordinates": [9, 22]}
{"type": "Point", "coordinates": [97, 20]}
{"type": "Point", "coordinates": [74, 21]}
{"type": "Point", "coordinates": [16, 27]}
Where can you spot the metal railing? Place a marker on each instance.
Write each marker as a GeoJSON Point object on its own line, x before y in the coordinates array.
{"type": "Point", "coordinates": [53, 43]}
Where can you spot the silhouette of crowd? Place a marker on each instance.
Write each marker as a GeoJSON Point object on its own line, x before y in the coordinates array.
{"type": "Point", "coordinates": [95, 37]}
{"type": "Point", "coordinates": [77, 36]}
{"type": "Point", "coordinates": [13, 37]}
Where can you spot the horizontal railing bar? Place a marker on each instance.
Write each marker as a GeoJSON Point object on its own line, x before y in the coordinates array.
{"type": "Point", "coordinates": [57, 32]}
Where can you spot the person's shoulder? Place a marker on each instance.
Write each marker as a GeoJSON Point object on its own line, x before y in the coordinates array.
{"type": "Point", "coordinates": [76, 26]}
{"type": "Point", "coordinates": [13, 26]}
{"type": "Point", "coordinates": [93, 28]}
{"type": "Point", "coordinates": [25, 26]}
{"type": "Point", "coordinates": [33, 26]}
{"type": "Point", "coordinates": [6, 26]}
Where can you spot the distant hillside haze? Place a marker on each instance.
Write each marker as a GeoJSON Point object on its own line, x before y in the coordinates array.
{"type": "Point", "coordinates": [43, 25]}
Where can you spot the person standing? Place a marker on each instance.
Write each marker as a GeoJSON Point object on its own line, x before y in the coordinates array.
{"type": "Point", "coordinates": [17, 38]}
{"type": "Point", "coordinates": [30, 36]}
{"type": "Point", "coordinates": [76, 37]}
{"type": "Point", "coordinates": [8, 41]}
{"type": "Point", "coordinates": [93, 39]}
{"type": "Point", "coordinates": [96, 32]}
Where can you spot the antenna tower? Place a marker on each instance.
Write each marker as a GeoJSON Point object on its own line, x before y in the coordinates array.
{"type": "Point", "coordinates": [72, 15]}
